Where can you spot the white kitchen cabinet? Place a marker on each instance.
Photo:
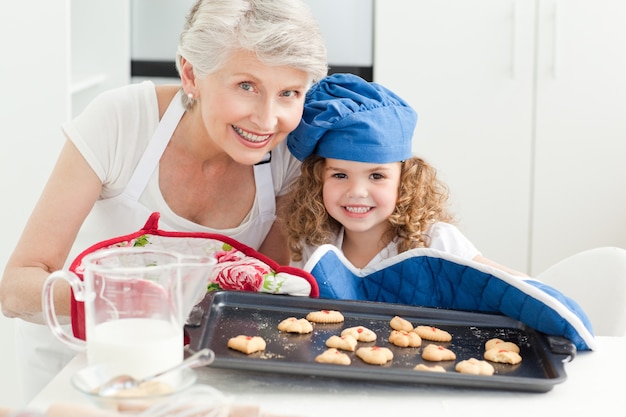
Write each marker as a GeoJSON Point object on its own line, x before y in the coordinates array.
{"type": "Point", "coordinates": [522, 108]}
{"type": "Point", "coordinates": [465, 66]}
{"type": "Point", "coordinates": [580, 131]}
{"type": "Point", "coordinates": [58, 54]}
{"type": "Point", "coordinates": [99, 48]}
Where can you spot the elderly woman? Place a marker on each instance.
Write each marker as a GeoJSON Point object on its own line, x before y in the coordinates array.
{"type": "Point", "coordinates": [208, 154]}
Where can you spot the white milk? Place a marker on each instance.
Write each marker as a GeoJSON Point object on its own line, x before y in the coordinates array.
{"type": "Point", "coordinates": [137, 346]}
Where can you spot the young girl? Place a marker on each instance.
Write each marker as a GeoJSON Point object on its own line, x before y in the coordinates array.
{"type": "Point", "coordinates": [370, 221]}
{"type": "Point", "coordinates": [361, 189]}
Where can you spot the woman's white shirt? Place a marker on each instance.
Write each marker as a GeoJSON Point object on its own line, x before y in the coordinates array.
{"type": "Point", "coordinates": [115, 129]}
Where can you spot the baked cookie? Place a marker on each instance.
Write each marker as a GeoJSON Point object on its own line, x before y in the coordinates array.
{"type": "Point", "coordinates": [432, 368]}
{"type": "Point", "coordinates": [247, 344]}
{"type": "Point", "coordinates": [436, 353]}
{"type": "Point", "coordinates": [501, 344]}
{"type": "Point", "coordinates": [345, 342]}
{"type": "Point", "coordinates": [325, 316]}
{"type": "Point", "coordinates": [433, 333]}
{"type": "Point", "coordinates": [474, 366]}
{"type": "Point", "coordinates": [503, 356]}
{"type": "Point", "coordinates": [360, 333]}
{"type": "Point", "coordinates": [375, 355]}
{"type": "Point", "coordinates": [398, 323]}
{"type": "Point", "coordinates": [333, 356]}
{"type": "Point", "coordinates": [294, 325]}
{"type": "Point", "coordinates": [403, 338]}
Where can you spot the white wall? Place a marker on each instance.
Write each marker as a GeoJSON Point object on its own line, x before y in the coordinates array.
{"type": "Point", "coordinates": [33, 77]}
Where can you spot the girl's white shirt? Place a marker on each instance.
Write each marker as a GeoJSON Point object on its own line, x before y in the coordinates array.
{"type": "Point", "coordinates": [441, 236]}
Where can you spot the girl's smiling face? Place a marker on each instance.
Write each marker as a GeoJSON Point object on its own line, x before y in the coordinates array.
{"type": "Point", "coordinates": [248, 107]}
{"type": "Point", "coordinates": [361, 196]}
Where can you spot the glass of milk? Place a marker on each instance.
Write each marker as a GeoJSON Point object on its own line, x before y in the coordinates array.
{"type": "Point", "coordinates": [134, 307]}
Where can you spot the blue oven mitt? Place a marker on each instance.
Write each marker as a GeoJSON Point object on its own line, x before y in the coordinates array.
{"type": "Point", "coordinates": [431, 278]}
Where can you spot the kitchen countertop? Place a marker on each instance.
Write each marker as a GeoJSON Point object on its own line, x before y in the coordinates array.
{"type": "Point", "coordinates": [593, 383]}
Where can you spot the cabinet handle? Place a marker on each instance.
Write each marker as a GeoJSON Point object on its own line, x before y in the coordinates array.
{"type": "Point", "coordinates": [514, 41]}
{"type": "Point", "coordinates": [555, 38]}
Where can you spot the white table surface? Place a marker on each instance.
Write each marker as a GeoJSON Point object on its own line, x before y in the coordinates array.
{"type": "Point", "coordinates": [594, 383]}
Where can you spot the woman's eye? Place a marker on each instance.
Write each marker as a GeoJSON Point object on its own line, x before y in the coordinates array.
{"type": "Point", "coordinates": [246, 86]}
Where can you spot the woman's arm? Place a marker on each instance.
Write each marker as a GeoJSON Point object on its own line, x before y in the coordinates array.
{"type": "Point", "coordinates": [48, 236]}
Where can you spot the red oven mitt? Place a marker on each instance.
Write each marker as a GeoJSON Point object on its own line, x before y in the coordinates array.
{"type": "Point", "coordinates": [238, 268]}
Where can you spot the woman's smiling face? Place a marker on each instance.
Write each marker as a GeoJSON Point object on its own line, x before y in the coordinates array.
{"type": "Point", "coordinates": [249, 107]}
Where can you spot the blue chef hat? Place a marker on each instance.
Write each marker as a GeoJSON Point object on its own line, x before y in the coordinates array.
{"type": "Point", "coordinates": [346, 117]}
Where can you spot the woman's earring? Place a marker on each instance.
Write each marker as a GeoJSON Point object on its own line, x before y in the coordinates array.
{"type": "Point", "coordinates": [192, 100]}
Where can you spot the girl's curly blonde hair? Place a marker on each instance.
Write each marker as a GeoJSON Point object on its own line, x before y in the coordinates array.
{"type": "Point", "coordinates": [422, 201]}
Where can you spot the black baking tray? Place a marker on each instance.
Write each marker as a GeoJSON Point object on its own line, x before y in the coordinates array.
{"type": "Point", "coordinates": [231, 313]}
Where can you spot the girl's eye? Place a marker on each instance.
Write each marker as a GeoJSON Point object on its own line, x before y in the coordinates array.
{"type": "Point", "coordinates": [377, 176]}
{"type": "Point", "coordinates": [290, 93]}
{"type": "Point", "coordinates": [339, 175]}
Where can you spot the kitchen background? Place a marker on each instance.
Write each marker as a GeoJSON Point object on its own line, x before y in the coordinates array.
{"type": "Point", "coordinates": [521, 103]}
{"type": "Point", "coordinates": [154, 36]}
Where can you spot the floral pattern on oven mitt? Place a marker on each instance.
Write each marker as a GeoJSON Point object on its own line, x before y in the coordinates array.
{"type": "Point", "coordinates": [238, 268]}
{"type": "Point", "coordinates": [432, 278]}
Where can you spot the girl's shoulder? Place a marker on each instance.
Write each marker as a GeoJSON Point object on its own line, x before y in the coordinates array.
{"type": "Point", "coordinates": [448, 238]}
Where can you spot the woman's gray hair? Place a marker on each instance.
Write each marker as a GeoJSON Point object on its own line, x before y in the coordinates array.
{"type": "Point", "coordinates": [280, 32]}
